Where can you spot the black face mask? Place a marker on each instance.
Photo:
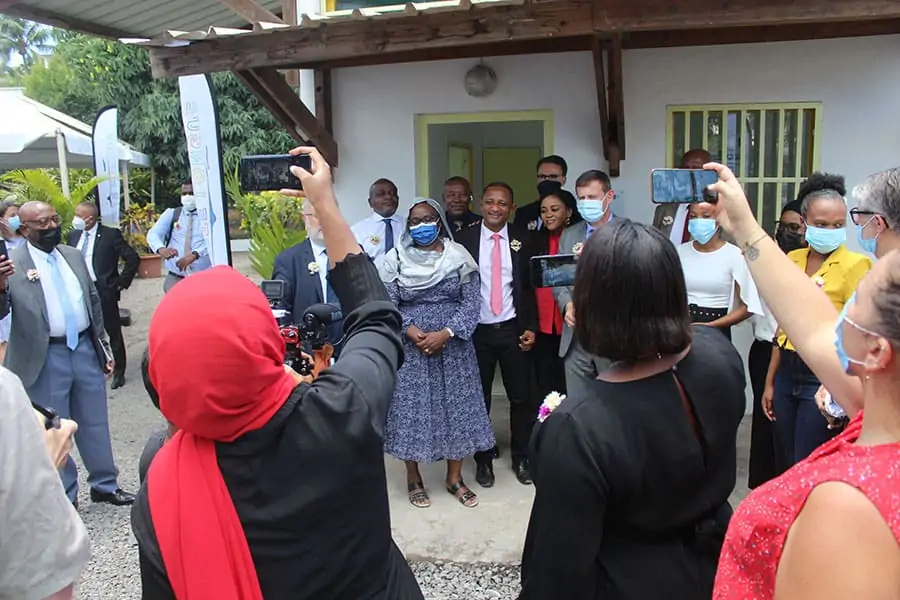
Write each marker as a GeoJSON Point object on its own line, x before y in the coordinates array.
{"type": "Point", "coordinates": [547, 187]}
{"type": "Point", "coordinates": [48, 239]}
{"type": "Point", "coordinates": [789, 240]}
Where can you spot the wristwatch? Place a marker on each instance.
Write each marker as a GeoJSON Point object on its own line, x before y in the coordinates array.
{"type": "Point", "coordinates": [450, 331]}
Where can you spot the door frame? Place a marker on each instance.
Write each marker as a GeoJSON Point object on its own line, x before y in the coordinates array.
{"type": "Point", "coordinates": [422, 121]}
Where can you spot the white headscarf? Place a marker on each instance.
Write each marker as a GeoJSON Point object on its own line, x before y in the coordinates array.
{"type": "Point", "coordinates": [416, 269]}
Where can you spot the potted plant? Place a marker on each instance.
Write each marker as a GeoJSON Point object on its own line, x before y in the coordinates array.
{"type": "Point", "coordinates": [135, 222]}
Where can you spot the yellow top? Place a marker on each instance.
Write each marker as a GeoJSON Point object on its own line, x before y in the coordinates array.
{"type": "Point", "coordinates": [838, 277]}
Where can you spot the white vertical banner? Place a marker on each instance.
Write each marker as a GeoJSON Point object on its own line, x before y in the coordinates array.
{"type": "Point", "coordinates": [204, 148]}
{"type": "Point", "coordinates": [105, 140]}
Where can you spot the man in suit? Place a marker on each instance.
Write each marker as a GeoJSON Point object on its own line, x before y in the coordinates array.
{"type": "Point", "coordinates": [103, 247]}
{"type": "Point", "coordinates": [457, 198]}
{"type": "Point", "coordinates": [595, 197]}
{"type": "Point", "coordinates": [304, 269]}
{"type": "Point", "coordinates": [506, 331]}
{"type": "Point", "coordinates": [672, 219]}
{"type": "Point", "coordinates": [57, 345]}
{"type": "Point", "coordinates": [551, 177]}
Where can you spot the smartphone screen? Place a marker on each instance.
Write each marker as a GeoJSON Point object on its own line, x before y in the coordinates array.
{"type": "Point", "coordinates": [271, 172]}
{"type": "Point", "coordinates": [553, 271]}
{"type": "Point", "coordinates": [4, 251]}
{"type": "Point", "coordinates": [681, 186]}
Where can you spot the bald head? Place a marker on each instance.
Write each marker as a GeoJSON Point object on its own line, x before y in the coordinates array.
{"type": "Point", "coordinates": [40, 225]}
{"type": "Point", "coordinates": [31, 211]}
{"type": "Point", "coordinates": [695, 159]}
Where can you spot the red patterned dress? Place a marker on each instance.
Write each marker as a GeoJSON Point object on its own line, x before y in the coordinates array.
{"type": "Point", "coordinates": [759, 527]}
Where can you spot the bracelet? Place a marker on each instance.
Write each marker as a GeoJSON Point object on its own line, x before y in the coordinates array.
{"type": "Point", "coordinates": [751, 245]}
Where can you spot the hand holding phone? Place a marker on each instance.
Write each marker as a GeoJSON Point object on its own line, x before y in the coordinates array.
{"type": "Point", "coordinates": [681, 186]}
{"type": "Point", "coordinates": [272, 172]}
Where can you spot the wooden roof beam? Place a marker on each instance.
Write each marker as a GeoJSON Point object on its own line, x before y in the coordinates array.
{"type": "Point", "coordinates": [251, 11]}
{"type": "Point", "coordinates": [378, 40]}
{"type": "Point", "coordinates": [275, 94]}
{"type": "Point", "coordinates": [610, 101]}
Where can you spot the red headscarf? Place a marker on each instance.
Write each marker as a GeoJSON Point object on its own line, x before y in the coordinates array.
{"type": "Point", "coordinates": [216, 361]}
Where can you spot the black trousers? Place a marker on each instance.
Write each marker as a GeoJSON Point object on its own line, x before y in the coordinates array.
{"type": "Point", "coordinates": [549, 366]}
{"type": "Point", "coordinates": [766, 456]}
{"type": "Point", "coordinates": [499, 344]}
{"type": "Point", "coordinates": [109, 305]}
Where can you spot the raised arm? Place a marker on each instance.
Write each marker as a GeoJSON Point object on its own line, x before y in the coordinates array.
{"type": "Point", "coordinates": [805, 314]}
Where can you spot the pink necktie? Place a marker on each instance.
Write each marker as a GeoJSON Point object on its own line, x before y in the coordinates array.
{"type": "Point", "coordinates": [496, 277]}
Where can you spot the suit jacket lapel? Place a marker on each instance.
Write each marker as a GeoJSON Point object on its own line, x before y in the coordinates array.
{"type": "Point", "coordinates": [22, 257]}
{"type": "Point", "coordinates": [309, 257]}
{"type": "Point", "coordinates": [513, 253]}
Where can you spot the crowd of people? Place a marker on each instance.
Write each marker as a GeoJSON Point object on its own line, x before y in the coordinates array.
{"type": "Point", "coordinates": [625, 394]}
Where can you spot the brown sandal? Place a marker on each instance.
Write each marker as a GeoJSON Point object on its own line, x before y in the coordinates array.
{"type": "Point", "coordinates": [463, 494]}
{"type": "Point", "coordinates": [418, 497]}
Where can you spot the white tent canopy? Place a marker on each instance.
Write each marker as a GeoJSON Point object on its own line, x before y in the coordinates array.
{"type": "Point", "coordinates": [36, 136]}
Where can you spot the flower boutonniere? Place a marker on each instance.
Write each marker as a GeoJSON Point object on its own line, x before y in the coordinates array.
{"type": "Point", "coordinates": [667, 221]}
{"type": "Point", "coordinates": [576, 249]}
{"type": "Point", "coordinates": [313, 268]}
{"type": "Point", "coordinates": [532, 226]}
{"type": "Point", "coordinates": [33, 275]}
{"type": "Point", "coordinates": [516, 245]}
{"type": "Point", "coordinates": [374, 240]}
{"type": "Point", "coordinates": [551, 402]}
{"type": "Point", "coordinates": [819, 281]}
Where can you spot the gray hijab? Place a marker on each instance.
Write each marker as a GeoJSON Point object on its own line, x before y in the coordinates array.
{"type": "Point", "coordinates": [416, 269]}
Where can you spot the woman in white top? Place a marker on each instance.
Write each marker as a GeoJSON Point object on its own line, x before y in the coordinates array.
{"type": "Point", "coordinates": [721, 293]}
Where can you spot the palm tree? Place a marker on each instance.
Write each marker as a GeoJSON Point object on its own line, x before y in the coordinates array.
{"type": "Point", "coordinates": [43, 185]}
{"type": "Point", "coordinates": [24, 39]}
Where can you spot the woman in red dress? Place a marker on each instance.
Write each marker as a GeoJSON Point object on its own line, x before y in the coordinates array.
{"type": "Point", "coordinates": [828, 528]}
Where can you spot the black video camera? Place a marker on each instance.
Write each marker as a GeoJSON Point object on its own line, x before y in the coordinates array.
{"type": "Point", "coordinates": [305, 337]}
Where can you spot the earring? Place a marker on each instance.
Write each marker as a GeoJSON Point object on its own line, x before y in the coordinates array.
{"type": "Point", "coordinates": [568, 220]}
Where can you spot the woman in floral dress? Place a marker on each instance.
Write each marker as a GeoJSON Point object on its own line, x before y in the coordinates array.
{"type": "Point", "coordinates": [438, 412]}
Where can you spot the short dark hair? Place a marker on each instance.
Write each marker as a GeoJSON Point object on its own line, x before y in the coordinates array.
{"type": "Point", "coordinates": [630, 295]}
{"type": "Point", "coordinates": [460, 180]}
{"type": "Point", "coordinates": [91, 205]}
{"type": "Point", "coordinates": [145, 375]}
{"type": "Point", "coordinates": [588, 177]}
{"type": "Point", "coordinates": [820, 185]}
{"type": "Point", "coordinates": [6, 205]}
{"type": "Point", "coordinates": [502, 185]}
{"type": "Point", "coordinates": [554, 159]}
{"type": "Point", "coordinates": [379, 182]}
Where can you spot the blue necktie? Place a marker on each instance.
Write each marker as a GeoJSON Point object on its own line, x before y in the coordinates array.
{"type": "Point", "coordinates": [388, 235]}
{"type": "Point", "coordinates": [66, 302]}
{"type": "Point", "coordinates": [87, 240]}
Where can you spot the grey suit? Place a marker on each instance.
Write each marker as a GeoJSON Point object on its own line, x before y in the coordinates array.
{"type": "Point", "coordinates": [664, 218]}
{"type": "Point", "coordinates": [71, 382]}
{"type": "Point", "coordinates": [579, 364]}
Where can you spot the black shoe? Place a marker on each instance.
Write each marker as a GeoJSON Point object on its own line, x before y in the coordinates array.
{"type": "Point", "coordinates": [484, 473]}
{"type": "Point", "coordinates": [522, 474]}
{"type": "Point", "coordinates": [496, 452]}
{"type": "Point", "coordinates": [117, 498]}
{"type": "Point", "coordinates": [117, 382]}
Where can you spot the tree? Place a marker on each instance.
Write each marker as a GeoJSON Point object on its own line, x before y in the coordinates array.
{"type": "Point", "coordinates": [24, 39]}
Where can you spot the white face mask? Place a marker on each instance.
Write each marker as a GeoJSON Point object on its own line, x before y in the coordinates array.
{"type": "Point", "coordinates": [188, 202]}
{"type": "Point", "coordinates": [78, 224]}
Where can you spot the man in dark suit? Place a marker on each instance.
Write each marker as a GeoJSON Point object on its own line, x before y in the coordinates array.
{"type": "Point", "coordinates": [103, 247]}
{"type": "Point", "coordinates": [304, 269]}
{"type": "Point", "coordinates": [506, 331]}
{"type": "Point", "coordinates": [551, 177]}
{"type": "Point", "coordinates": [457, 197]}
{"type": "Point", "coordinates": [57, 345]}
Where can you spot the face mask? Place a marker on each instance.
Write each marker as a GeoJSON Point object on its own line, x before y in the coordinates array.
{"type": "Point", "coordinates": [846, 361]}
{"type": "Point", "coordinates": [424, 234]}
{"type": "Point", "coordinates": [547, 187]}
{"type": "Point", "coordinates": [868, 245]}
{"type": "Point", "coordinates": [78, 224]}
{"type": "Point", "coordinates": [14, 223]}
{"type": "Point", "coordinates": [48, 239]}
{"type": "Point", "coordinates": [591, 210]}
{"type": "Point", "coordinates": [825, 241]}
{"type": "Point", "coordinates": [789, 241]}
{"type": "Point", "coordinates": [188, 203]}
{"type": "Point", "coordinates": [702, 230]}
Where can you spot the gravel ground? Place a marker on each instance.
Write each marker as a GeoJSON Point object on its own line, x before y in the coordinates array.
{"type": "Point", "coordinates": [113, 571]}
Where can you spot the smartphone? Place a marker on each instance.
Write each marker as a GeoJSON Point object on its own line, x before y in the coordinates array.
{"type": "Point", "coordinates": [271, 172]}
{"type": "Point", "coordinates": [4, 251]}
{"type": "Point", "coordinates": [681, 186]}
{"type": "Point", "coordinates": [553, 271]}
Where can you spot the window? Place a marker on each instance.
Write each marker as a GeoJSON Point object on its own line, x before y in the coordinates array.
{"type": "Point", "coordinates": [771, 147]}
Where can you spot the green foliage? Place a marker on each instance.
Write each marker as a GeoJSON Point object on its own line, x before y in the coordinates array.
{"type": "Point", "coordinates": [43, 185]}
{"type": "Point", "coordinates": [274, 222]}
{"type": "Point", "coordinates": [135, 222]}
{"type": "Point", "coordinates": [24, 39]}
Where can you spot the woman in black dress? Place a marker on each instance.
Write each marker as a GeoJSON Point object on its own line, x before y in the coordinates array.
{"type": "Point", "coordinates": [632, 479]}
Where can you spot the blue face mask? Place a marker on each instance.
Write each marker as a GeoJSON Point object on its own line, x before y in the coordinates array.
{"type": "Point", "coordinates": [702, 230]}
{"type": "Point", "coordinates": [825, 241]}
{"type": "Point", "coordinates": [424, 234]}
{"type": "Point", "coordinates": [839, 337]}
{"type": "Point", "coordinates": [870, 244]}
{"type": "Point", "coordinates": [591, 210]}
{"type": "Point", "coordinates": [14, 223]}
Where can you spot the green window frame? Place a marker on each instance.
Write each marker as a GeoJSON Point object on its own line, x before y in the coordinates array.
{"type": "Point", "coordinates": [771, 147]}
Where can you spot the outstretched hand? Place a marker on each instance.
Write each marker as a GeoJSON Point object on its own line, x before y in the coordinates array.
{"type": "Point", "coordinates": [316, 182]}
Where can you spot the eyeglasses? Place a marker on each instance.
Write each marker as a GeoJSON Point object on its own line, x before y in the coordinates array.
{"type": "Point", "coordinates": [45, 222]}
{"type": "Point", "coordinates": [430, 219]}
{"type": "Point", "coordinates": [551, 176]}
{"type": "Point", "coordinates": [861, 217]}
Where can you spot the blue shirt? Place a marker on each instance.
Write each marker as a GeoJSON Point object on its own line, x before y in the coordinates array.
{"type": "Point", "coordinates": [157, 235]}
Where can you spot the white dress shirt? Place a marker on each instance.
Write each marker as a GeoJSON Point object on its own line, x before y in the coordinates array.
{"type": "Point", "coordinates": [486, 251]}
{"type": "Point", "coordinates": [369, 234]}
{"type": "Point", "coordinates": [321, 260]}
{"type": "Point", "coordinates": [89, 237]}
{"type": "Point", "coordinates": [55, 315]}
